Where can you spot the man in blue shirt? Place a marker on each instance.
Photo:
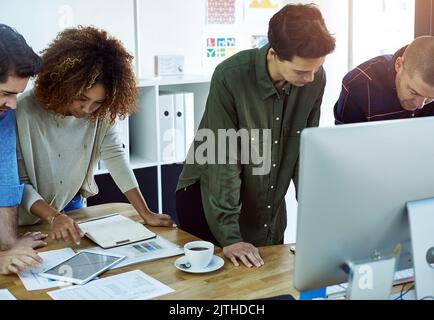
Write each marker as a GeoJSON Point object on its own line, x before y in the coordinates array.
{"type": "Point", "coordinates": [390, 87]}
{"type": "Point", "coordinates": [18, 63]}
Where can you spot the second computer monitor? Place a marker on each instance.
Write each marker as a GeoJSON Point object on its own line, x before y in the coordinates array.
{"type": "Point", "coordinates": [354, 182]}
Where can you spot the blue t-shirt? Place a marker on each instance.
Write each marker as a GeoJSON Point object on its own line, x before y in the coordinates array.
{"type": "Point", "coordinates": [11, 191]}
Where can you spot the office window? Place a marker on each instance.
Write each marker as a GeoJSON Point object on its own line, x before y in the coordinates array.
{"type": "Point", "coordinates": [380, 27]}
{"type": "Point", "coordinates": [425, 18]}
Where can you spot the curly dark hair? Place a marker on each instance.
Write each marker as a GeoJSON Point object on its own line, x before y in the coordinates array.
{"type": "Point", "coordinates": [16, 57]}
{"type": "Point", "coordinates": [79, 58]}
{"type": "Point", "coordinates": [300, 30]}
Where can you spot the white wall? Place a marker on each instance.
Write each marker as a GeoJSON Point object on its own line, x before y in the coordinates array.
{"type": "Point", "coordinates": [180, 27]}
{"type": "Point", "coordinates": [171, 27]}
{"type": "Point", "coordinates": [40, 20]}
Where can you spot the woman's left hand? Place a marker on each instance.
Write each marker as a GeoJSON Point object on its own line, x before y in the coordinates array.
{"type": "Point", "coordinates": [158, 220]}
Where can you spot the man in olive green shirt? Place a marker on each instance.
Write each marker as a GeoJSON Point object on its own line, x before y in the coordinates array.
{"type": "Point", "coordinates": [266, 97]}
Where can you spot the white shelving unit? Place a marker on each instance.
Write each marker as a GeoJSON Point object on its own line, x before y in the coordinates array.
{"type": "Point", "coordinates": [140, 131]}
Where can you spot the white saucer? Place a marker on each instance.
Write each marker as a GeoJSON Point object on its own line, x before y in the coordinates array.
{"type": "Point", "coordinates": [216, 263]}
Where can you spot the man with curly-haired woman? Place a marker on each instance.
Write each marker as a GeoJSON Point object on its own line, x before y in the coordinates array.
{"type": "Point", "coordinates": [67, 123]}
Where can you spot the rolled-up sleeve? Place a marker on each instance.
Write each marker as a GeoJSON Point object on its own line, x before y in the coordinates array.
{"type": "Point", "coordinates": [115, 159]}
{"type": "Point", "coordinates": [30, 195]}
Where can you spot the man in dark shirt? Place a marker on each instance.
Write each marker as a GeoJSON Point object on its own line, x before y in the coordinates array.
{"type": "Point", "coordinates": [390, 87]}
{"type": "Point", "coordinates": [267, 97]}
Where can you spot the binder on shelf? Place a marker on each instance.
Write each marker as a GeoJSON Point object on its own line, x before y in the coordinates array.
{"type": "Point", "coordinates": [167, 127]}
{"type": "Point", "coordinates": [179, 127]}
{"type": "Point", "coordinates": [184, 124]}
{"type": "Point", "coordinates": [189, 120]}
{"type": "Point", "coordinates": [176, 114]}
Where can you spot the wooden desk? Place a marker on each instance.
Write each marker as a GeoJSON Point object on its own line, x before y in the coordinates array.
{"type": "Point", "coordinates": [229, 282]}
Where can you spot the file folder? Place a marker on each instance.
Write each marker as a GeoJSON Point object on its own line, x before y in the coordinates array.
{"type": "Point", "coordinates": [179, 127]}
{"type": "Point", "coordinates": [188, 120]}
{"type": "Point", "coordinates": [167, 128]}
{"type": "Point", "coordinates": [184, 124]}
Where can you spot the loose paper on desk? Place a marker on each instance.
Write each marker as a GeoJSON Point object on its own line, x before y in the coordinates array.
{"type": "Point", "coordinates": [148, 250]}
{"type": "Point", "coordinates": [133, 285]}
{"type": "Point", "coordinates": [115, 230]}
{"type": "Point", "coordinates": [5, 294]}
{"type": "Point", "coordinates": [32, 281]}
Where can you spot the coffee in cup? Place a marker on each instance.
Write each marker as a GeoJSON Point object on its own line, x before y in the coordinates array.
{"type": "Point", "coordinates": [198, 248]}
{"type": "Point", "coordinates": [199, 253]}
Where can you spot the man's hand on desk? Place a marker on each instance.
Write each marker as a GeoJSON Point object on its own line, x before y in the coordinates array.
{"type": "Point", "coordinates": [31, 239]}
{"type": "Point", "coordinates": [18, 259]}
{"type": "Point", "coordinates": [245, 252]}
{"type": "Point", "coordinates": [158, 220]}
{"type": "Point", "coordinates": [64, 228]}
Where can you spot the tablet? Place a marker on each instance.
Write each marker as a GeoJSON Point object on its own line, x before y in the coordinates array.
{"type": "Point", "coordinates": [82, 267]}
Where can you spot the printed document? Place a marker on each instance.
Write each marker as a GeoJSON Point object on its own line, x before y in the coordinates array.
{"type": "Point", "coordinates": [5, 294]}
{"type": "Point", "coordinates": [148, 250]}
{"type": "Point", "coordinates": [32, 281]}
{"type": "Point", "coordinates": [133, 285]}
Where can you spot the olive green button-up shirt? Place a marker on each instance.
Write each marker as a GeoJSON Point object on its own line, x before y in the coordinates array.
{"type": "Point", "coordinates": [240, 205]}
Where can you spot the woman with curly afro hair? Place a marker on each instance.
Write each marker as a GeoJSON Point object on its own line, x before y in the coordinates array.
{"type": "Point", "coordinates": [67, 123]}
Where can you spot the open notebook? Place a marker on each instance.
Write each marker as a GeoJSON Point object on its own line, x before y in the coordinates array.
{"type": "Point", "coordinates": [115, 230]}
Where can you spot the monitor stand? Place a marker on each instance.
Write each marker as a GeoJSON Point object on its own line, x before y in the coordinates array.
{"type": "Point", "coordinates": [370, 279]}
{"type": "Point", "coordinates": [421, 220]}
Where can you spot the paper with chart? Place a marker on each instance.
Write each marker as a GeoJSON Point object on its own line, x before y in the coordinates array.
{"type": "Point", "coordinates": [31, 279]}
{"type": "Point", "coordinates": [5, 294]}
{"type": "Point", "coordinates": [133, 285]}
{"type": "Point", "coordinates": [148, 250]}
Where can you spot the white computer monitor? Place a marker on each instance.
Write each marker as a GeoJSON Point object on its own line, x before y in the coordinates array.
{"type": "Point", "coordinates": [354, 182]}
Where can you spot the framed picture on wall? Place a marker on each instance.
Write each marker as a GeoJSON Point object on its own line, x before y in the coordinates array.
{"type": "Point", "coordinates": [221, 47]}
{"type": "Point", "coordinates": [220, 12]}
{"type": "Point", "coordinates": [258, 41]}
{"type": "Point", "coordinates": [260, 10]}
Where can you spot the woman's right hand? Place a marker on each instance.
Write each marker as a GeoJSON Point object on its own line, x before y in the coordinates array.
{"type": "Point", "coordinates": [65, 229]}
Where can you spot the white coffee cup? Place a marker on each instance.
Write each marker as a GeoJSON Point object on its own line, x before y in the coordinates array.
{"type": "Point", "coordinates": [199, 253]}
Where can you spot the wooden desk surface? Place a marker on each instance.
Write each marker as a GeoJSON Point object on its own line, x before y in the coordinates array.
{"type": "Point", "coordinates": [229, 282]}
